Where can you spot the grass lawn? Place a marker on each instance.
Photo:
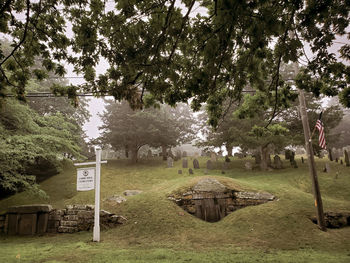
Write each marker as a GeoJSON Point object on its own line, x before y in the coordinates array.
{"type": "Point", "coordinates": [158, 230]}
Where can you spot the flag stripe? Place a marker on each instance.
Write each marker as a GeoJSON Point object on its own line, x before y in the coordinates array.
{"type": "Point", "coordinates": [321, 137]}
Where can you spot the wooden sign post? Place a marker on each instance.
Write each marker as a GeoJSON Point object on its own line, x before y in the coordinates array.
{"type": "Point", "coordinates": [84, 184]}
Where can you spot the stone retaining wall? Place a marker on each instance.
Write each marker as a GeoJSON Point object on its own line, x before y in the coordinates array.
{"type": "Point", "coordinates": [74, 218]}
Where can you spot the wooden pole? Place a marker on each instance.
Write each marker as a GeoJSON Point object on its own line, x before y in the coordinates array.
{"type": "Point", "coordinates": [312, 168]}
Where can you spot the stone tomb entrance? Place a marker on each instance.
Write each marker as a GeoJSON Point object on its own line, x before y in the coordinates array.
{"type": "Point", "coordinates": [211, 201]}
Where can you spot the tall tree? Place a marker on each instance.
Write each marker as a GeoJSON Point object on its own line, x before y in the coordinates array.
{"type": "Point", "coordinates": [129, 129]}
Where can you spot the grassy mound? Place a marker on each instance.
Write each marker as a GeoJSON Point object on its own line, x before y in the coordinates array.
{"type": "Point", "coordinates": [278, 231]}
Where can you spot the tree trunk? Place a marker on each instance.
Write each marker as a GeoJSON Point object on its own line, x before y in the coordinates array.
{"type": "Point", "coordinates": [265, 157]}
{"type": "Point", "coordinates": [134, 152]}
{"type": "Point", "coordinates": [126, 151]}
{"type": "Point", "coordinates": [164, 153]}
{"type": "Point", "coordinates": [229, 149]}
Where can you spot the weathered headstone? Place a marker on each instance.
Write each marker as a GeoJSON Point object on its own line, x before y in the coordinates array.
{"type": "Point", "coordinates": [209, 165]}
{"type": "Point", "coordinates": [195, 164]}
{"type": "Point", "coordinates": [330, 155]}
{"type": "Point", "coordinates": [341, 161]}
{"type": "Point", "coordinates": [179, 171]}
{"type": "Point", "coordinates": [170, 162]}
{"type": "Point", "coordinates": [336, 160]}
{"type": "Point", "coordinates": [184, 154]}
{"type": "Point", "coordinates": [184, 163]}
{"type": "Point", "coordinates": [178, 154]}
{"type": "Point", "coordinates": [327, 168]}
{"type": "Point", "coordinates": [302, 159]}
{"type": "Point", "coordinates": [346, 158]}
{"type": "Point", "coordinates": [277, 162]}
{"type": "Point", "coordinates": [190, 171]}
{"type": "Point", "coordinates": [293, 163]}
{"type": "Point", "coordinates": [206, 171]}
{"type": "Point", "coordinates": [213, 157]}
{"type": "Point", "coordinates": [248, 166]}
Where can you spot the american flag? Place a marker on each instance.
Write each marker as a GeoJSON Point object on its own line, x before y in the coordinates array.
{"type": "Point", "coordinates": [320, 128]}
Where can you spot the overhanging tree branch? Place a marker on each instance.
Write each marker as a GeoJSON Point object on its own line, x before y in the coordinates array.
{"type": "Point", "coordinates": [23, 37]}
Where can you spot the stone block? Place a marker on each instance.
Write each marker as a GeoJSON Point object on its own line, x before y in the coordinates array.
{"type": "Point", "coordinates": [67, 229]}
{"type": "Point", "coordinates": [72, 212]}
{"type": "Point", "coordinates": [60, 212]}
{"type": "Point", "coordinates": [117, 219]}
{"type": "Point", "coordinates": [86, 214]}
{"type": "Point", "coordinates": [53, 224]}
{"type": "Point", "coordinates": [69, 223]}
{"type": "Point", "coordinates": [30, 209]}
{"type": "Point", "coordinates": [55, 217]}
{"type": "Point", "coordinates": [70, 217]}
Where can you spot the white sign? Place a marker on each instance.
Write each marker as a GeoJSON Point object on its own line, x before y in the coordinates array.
{"type": "Point", "coordinates": [86, 179]}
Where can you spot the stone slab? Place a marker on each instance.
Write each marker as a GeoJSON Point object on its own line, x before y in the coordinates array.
{"type": "Point", "coordinates": [29, 209]}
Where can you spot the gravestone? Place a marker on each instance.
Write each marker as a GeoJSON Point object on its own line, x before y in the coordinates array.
{"type": "Point", "coordinates": [293, 163]}
{"type": "Point", "coordinates": [302, 159]}
{"type": "Point", "coordinates": [206, 171]}
{"type": "Point", "coordinates": [341, 161]}
{"type": "Point", "coordinates": [179, 171]}
{"type": "Point", "coordinates": [184, 154]}
{"type": "Point", "coordinates": [190, 171]}
{"type": "Point", "coordinates": [330, 155]}
{"type": "Point", "coordinates": [184, 163]}
{"type": "Point", "coordinates": [336, 160]}
{"type": "Point", "coordinates": [195, 164]}
{"type": "Point", "coordinates": [248, 166]}
{"type": "Point", "coordinates": [209, 165]}
{"type": "Point", "coordinates": [277, 162]}
{"type": "Point", "coordinates": [327, 168]}
{"type": "Point", "coordinates": [170, 162]}
{"type": "Point", "coordinates": [213, 157]}
{"type": "Point", "coordinates": [346, 158]}
{"type": "Point", "coordinates": [178, 154]}
{"type": "Point", "coordinates": [227, 159]}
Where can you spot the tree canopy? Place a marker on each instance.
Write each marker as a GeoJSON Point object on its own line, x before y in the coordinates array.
{"type": "Point", "coordinates": [165, 51]}
{"type": "Point", "coordinates": [28, 140]}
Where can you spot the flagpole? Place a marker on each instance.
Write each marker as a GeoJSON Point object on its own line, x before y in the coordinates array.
{"type": "Point", "coordinates": [312, 167]}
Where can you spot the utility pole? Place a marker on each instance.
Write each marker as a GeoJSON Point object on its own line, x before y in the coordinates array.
{"type": "Point", "coordinates": [312, 168]}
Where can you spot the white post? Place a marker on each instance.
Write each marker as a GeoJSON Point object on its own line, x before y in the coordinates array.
{"type": "Point", "coordinates": [96, 236]}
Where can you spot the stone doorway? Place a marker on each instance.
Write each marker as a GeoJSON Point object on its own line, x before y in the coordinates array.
{"type": "Point", "coordinates": [211, 201]}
